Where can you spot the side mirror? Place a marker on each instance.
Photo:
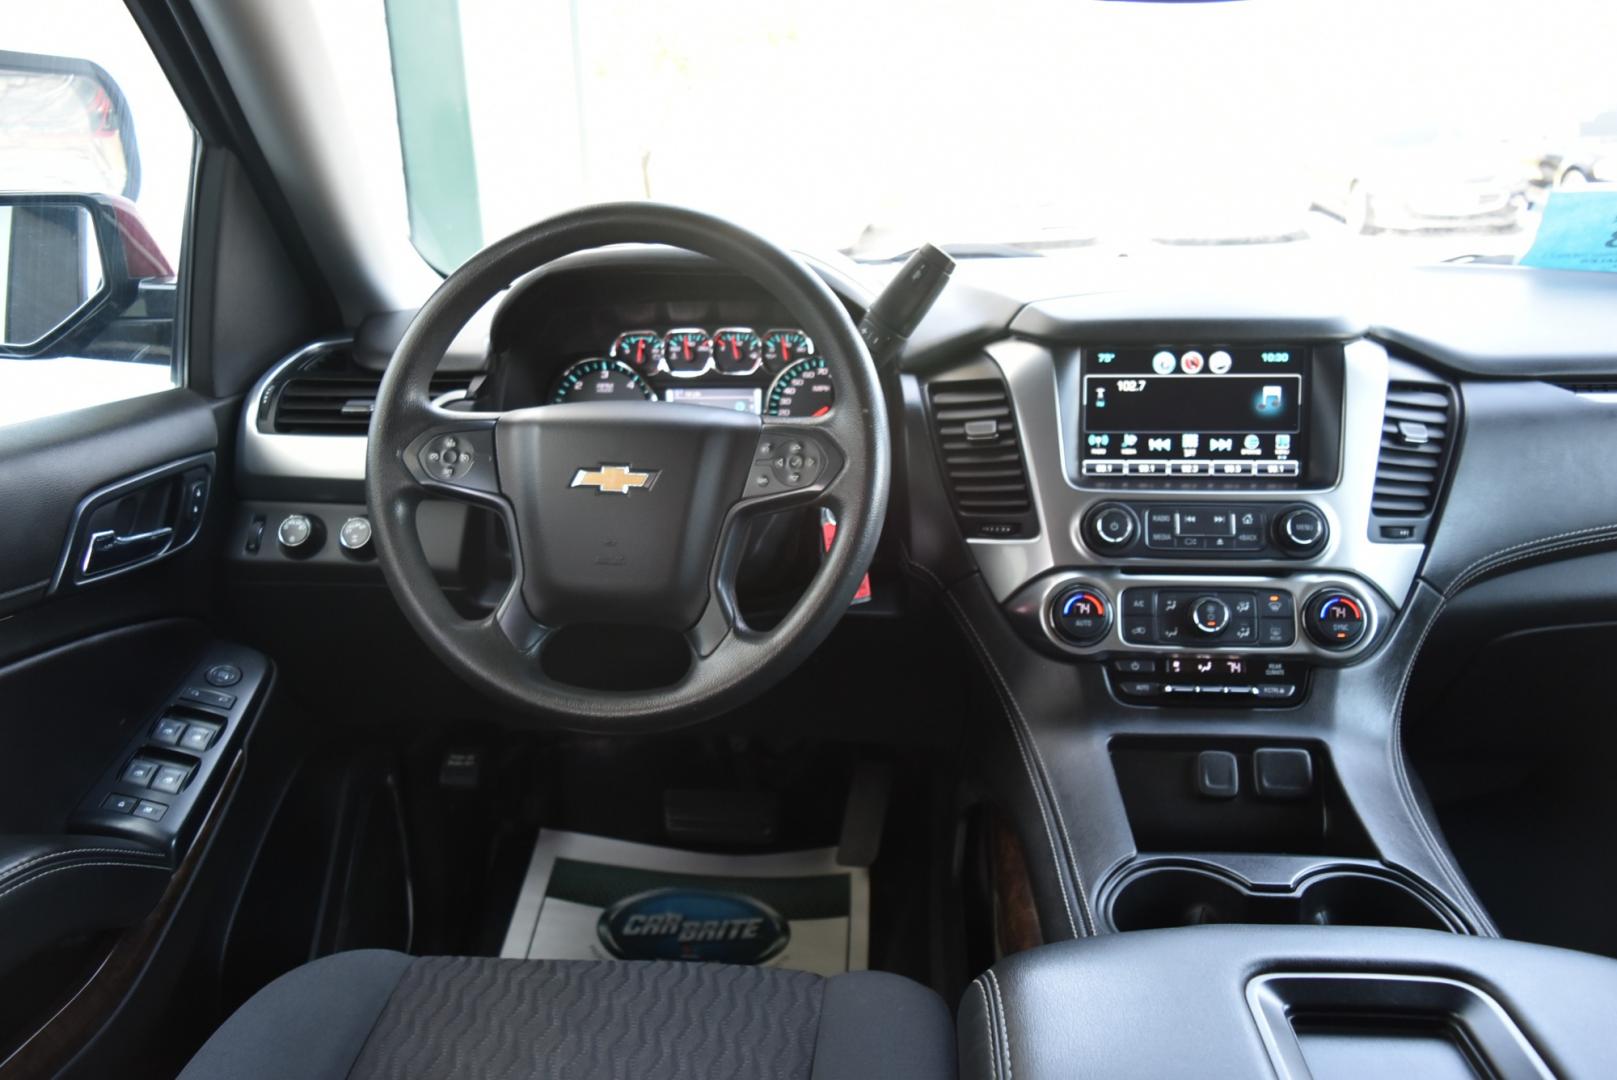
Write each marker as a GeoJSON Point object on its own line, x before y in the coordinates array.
{"type": "Point", "coordinates": [65, 126]}
{"type": "Point", "coordinates": [70, 265]}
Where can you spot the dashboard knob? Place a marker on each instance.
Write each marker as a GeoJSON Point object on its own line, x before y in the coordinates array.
{"type": "Point", "coordinates": [1210, 615]}
{"type": "Point", "coordinates": [1111, 527]}
{"type": "Point", "coordinates": [299, 535]}
{"type": "Point", "coordinates": [1336, 619]}
{"type": "Point", "coordinates": [1301, 530]}
{"type": "Point", "coordinates": [1081, 615]}
{"type": "Point", "coordinates": [355, 535]}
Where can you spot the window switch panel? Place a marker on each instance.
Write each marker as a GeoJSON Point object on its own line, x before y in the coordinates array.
{"type": "Point", "coordinates": [140, 772]}
{"type": "Point", "coordinates": [168, 731]}
{"type": "Point", "coordinates": [170, 779]}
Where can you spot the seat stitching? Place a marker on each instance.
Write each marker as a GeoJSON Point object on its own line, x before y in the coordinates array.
{"type": "Point", "coordinates": [75, 866]}
{"type": "Point", "coordinates": [1004, 1028]}
{"type": "Point", "coordinates": [988, 1023]}
{"type": "Point", "coordinates": [1003, 693]}
{"type": "Point", "coordinates": [14, 870]}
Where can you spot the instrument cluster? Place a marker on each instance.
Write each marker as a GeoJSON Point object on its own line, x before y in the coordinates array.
{"type": "Point", "coordinates": [773, 373]}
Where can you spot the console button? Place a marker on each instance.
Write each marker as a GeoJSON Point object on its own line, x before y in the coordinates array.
{"type": "Point", "coordinates": [119, 804]}
{"type": "Point", "coordinates": [1217, 775]}
{"type": "Point", "coordinates": [1277, 691]}
{"type": "Point", "coordinates": [1277, 632]}
{"type": "Point", "coordinates": [223, 675]}
{"type": "Point", "coordinates": [1282, 773]}
{"type": "Point", "coordinates": [1244, 631]}
{"type": "Point", "coordinates": [1139, 629]}
{"type": "Point", "coordinates": [1135, 665]}
{"type": "Point", "coordinates": [151, 811]}
{"type": "Point", "coordinates": [1140, 689]}
{"type": "Point", "coordinates": [1082, 615]}
{"type": "Point", "coordinates": [1300, 530]}
{"type": "Point", "coordinates": [1111, 527]}
{"type": "Point", "coordinates": [1137, 601]}
{"type": "Point", "coordinates": [1275, 603]}
{"type": "Point", "coordinates": [203, 696]}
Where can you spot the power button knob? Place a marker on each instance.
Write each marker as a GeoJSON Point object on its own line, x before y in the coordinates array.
{"type": "Point", "coordinates": [1111, 527]}
{"type": "Point", "coordinates": [1336, 619]}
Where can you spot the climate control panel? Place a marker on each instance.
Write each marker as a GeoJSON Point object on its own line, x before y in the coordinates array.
{"type": "Point", "coordinates": [1192, 618]}
{"type": "Point", "coordinates": [1195, 529]}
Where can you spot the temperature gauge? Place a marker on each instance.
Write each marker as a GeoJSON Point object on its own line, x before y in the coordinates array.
{"type": "Point", "coordinates": [783, 348]}
{"type": "Point", "coordinates": [687, 352]}
{"type": "Point", "coordinates": [640, 349]}
{"type": "Point", "coordinates": [737, 350]}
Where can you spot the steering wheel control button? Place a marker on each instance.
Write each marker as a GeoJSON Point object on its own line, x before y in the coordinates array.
{"type": "Point", "coordinates": [1301, 530]}
{"type": "Point", "coordinates": [1210, 615]}
{"type": "Point", "coordinates": [1111, 527]}
{"type": "Point", "coordinates": [355, 536]}
{"type": "Point", "coordinates": [1081, 615]}
{"type": "Point", "coordinates": [448, 457]}
{"type": "Point", "coordinates": [223, 675]}
{"type": "Point", "coordinates": [785, 463]}
{"type": "Point", "coordinates": [1336, 619]}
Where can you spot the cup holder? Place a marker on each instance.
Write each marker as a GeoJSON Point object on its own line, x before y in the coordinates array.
{"type": "Point", "coordinates": [1155, 897]}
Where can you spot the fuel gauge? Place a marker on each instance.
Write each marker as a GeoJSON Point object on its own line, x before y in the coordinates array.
{"type": "Point", "coordinates": [687, 352]}
{"type": "Point", "coordinates": [640, 349]}
{"type": "Point", "coordinates": [737, 350]}
{"type": "Point", "coordinates": [783, 348]}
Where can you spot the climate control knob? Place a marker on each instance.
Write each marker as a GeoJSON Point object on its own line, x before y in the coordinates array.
{"type": "Point", "coordinates": [1336, 619]}
{"type": "Point", "coordinates": [1210, 615]}
{"type": "Point", "coordinates": [1301, 530]}
{"type": "Point", "coordinates": [1081, 615]}
{"type": "Point", "coordinates": [1111, 527]}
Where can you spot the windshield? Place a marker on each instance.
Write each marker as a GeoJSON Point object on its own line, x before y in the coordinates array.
{"type": "Point", "coordinates": [1377, 129]}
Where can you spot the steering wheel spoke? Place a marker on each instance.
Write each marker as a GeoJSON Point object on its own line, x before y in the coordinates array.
{"type": "Point", "coordinates": [453, 456]}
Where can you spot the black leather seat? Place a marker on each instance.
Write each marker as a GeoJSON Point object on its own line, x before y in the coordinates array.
{"type": "Point", "coordinates": [376, 1015]}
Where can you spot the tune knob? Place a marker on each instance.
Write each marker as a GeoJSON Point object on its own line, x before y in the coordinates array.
{"type": "Point", "coordinates": [1210, 615]}
{"type": "Point", "coordinates": [1336, 619]}
{"type": "Point", "coordinates": [1111, 527]}
{"type": "Point", "coordinates": [1301, 530]}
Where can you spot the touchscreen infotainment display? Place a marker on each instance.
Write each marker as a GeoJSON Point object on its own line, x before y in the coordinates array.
{"type": "Point", "coordinates": [1214, 412]}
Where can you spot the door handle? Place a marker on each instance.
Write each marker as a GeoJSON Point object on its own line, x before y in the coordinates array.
{"type": "Point", "coordinates": [108, 550]}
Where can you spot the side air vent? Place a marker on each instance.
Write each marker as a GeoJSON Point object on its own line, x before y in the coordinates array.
{"type": "Point", "coordinates": [330, 395]}
{"type": "Point", "coordinates": [981, 453]}
{"type": "Point", "coordinates": [1417, 432]}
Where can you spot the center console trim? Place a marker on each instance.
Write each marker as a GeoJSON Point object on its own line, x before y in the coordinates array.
{"type": "Point", "coordinates": [1032, 372]}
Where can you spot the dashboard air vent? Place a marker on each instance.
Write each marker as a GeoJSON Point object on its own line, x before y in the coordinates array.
{"type": "Point", "coordinates": [1417, 431]}
{"type": "Point", "coordinates": [338, 402]}
{"type": "Point", "coordinates": [981, 453]}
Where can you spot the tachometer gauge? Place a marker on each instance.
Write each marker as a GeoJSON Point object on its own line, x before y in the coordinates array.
{"type": "Point", "coordinates": [804, 389]}
{"type": "Point", "coordinates": [687, 352]}
{"type": "Point", "coordinates": [640, 349]}
{"type": "Point", "coordinates": [782, 348]}
{"type": "Point", "coordinates": [737, 350]}
{"type": "Point", "coordinates": [601, 380]}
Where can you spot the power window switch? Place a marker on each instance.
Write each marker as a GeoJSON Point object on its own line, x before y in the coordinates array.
{"type": "Point", "coordinates": [119, 804]}
{"type": "Point", "coordinates": [170, 779]}
{"type": "Point", "coordinates": [140, 772]}
{"type": "Point", "coordinates": [199, 737]}
{"type": "Point", "coordinates": [151, 811]}
{"type": "Point", "coordinates": [168, 731]}
{"type": "Point", "coordinates": [1217, 776]}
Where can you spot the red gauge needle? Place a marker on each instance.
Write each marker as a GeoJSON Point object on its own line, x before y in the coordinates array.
{"type": "Point", "coordinates": [640, 354]}
{"type": "Point", "coordinates": [821, 411]}
{"type": "Point", "coordinates": [686, 345]}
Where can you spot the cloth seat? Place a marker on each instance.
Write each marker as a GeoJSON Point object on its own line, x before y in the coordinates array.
{"type": "Point", "coordinates": [379, 1015]}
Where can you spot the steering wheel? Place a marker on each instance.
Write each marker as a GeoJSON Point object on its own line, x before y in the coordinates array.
{"type": "Point", "coordinates": [625, 513]}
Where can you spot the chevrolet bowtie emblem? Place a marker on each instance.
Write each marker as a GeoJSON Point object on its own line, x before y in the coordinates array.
{"type": "Point", "coordinates": [614, 479]}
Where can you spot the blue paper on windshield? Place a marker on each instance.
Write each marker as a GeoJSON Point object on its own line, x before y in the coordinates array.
{"type": "Point", "coordinates": [1577, 232]}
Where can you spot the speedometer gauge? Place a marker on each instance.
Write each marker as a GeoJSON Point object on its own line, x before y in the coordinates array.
{"type": "Point", "coordinates": [601, 380]}
{"type": "Point", "coordinates": [804, 389]}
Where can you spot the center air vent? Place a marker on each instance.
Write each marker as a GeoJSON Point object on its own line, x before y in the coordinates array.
{"type": "Point", "coordinates": [982, 458]}
{"type": "Point", "coordinates": [1417, 431]}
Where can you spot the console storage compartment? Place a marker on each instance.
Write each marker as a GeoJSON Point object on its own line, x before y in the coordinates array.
{"type": "Point", "coordinates": [1293, 1002]}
